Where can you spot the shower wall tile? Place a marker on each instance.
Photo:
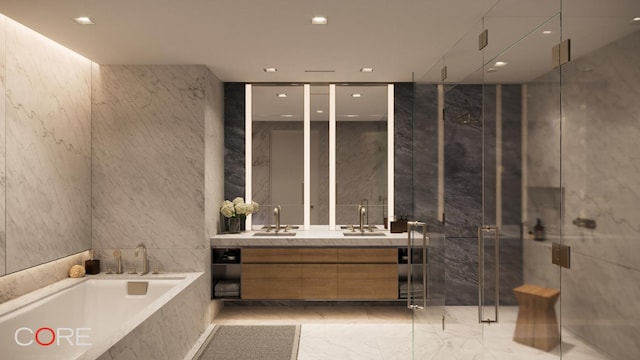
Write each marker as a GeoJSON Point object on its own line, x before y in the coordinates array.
{"type": "Point", "coordinates": [425, 152]}
{"type": "Point", "coordinates": [511, 154]}
{"type": "Point", "coordinates": [149, 158]}
{"type": "Point", "coordinates": [48, 149]}
{"type": "Point", "coordinates": [403, 155]}
{"type": "Point", "coordinates": [234, 120]}
{"type": "Point", "coordinates": [3, 183]}
{"type": "Point", "coordinates": [463, 160]}
{"type": "Point", "coordinates": [600, 126]}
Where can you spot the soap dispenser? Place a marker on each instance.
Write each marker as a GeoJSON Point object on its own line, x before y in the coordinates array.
{"type": "Point", "coordinates": [538, 231]}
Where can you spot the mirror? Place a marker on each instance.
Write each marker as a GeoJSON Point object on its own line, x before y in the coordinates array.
{"type": "Point", "coordinates": [361, 153]}
{"type": "Point", "coordinates": [277, 150]}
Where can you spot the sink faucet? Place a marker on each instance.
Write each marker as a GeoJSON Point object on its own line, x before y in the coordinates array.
{"type": "Point", "coordinates": [145, 262]}
{"type": "Point", "coordinates": [276, 213]}
{"type": "Point", "coordinates": [363, 202]}
{"type": "Point", "coordinates": [363, 212]}
{"type": "Point", "coordinates": [118, 255]}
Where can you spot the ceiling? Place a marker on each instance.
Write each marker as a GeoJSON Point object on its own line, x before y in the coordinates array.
{"type": "Point", "coordinates": [402, 40]}
{"type": "Point", "coordinates": [237, 39]}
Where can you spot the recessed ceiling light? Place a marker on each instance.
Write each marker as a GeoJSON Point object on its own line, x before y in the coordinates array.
{"type": "Point", "coordinates": [500, 63]}
{"type": "Point", "coordinates": [286, 116]}
{"type": "Point", "coordinates": [366, 70]}
{"type": "Point", "coordinates": [84, 20]}
{"type": "Point", "coordinates": [547, 32]}
{"type": "Point", "coordinates": [319, 112]}
{"type": "Point", "coordinates": [356, 95]}
{"type": "Point", "coordinates": [271, 70]}
{"type": "Point", "coordinates": [491, 69]}
{"type": "Point", "coordinates": [352, 116]}
{"type": "Point", "coordinates": [282, 95]}
{"type": "Point", "coordinates": [319, 20]}
{"type": "Point", "coordinates": [636, 18]}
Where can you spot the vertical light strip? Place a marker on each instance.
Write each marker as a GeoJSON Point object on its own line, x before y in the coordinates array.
{"type": "Point", "coordinates": [441, 152]}
{"type": "Point", "coordinates": [307, 156]}
{"type": "Point", "coordinates": [523, 161]}
{"type": "Point", "coordinates": [499, 156]}
{"type": "Point", "coordinates": [332, 156]}
{"type": "Point", "coordinates": [248, 157]}
{"type": "Point", "coordinates": [390, 154]}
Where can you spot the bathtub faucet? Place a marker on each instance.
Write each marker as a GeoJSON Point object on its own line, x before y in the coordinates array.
{"type": "Point", "coordinates": [145, 262]}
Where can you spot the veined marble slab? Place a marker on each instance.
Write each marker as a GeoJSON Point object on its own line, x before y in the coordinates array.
{"type": "Point", "coordinates": [313, 238]}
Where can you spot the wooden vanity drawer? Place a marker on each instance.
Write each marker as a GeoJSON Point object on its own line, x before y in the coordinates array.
{"type": "Point", "coordinates": [271, 281]}
{"type": "Point", "coordinates": [319, 255]}
{"type": "Point", "coordinates": [271, 255]}
{"type": "Point", "coordinates": [368, 255]}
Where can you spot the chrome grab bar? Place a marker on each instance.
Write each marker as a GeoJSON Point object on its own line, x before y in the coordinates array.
{"type": "Point", "coordinates": [481, 229]}
{"type": "Point", "coordinates": [410, 226]}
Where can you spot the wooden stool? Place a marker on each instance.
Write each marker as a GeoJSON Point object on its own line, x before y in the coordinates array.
{"type": "Point", "coordinates": [537, 325]}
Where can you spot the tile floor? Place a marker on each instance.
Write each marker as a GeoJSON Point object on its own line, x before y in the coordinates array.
{"type": "Point", "coordinates": [371, 332]}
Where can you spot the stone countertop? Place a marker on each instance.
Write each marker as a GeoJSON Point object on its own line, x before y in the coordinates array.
{"type": "Point", "coordinates": [310, 238]}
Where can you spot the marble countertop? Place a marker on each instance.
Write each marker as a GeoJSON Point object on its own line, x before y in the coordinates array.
{"type": "Point", "coordinates": [311, 238]}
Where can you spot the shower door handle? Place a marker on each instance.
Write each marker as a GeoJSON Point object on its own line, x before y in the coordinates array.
{"type": "Point", "coordinates": [481, 230]}
{"type": "Point", "coordinates": [425, 279]}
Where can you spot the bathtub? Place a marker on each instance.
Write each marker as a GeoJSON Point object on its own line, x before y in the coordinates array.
{"type": "Point", "coordinates": [83, 318]}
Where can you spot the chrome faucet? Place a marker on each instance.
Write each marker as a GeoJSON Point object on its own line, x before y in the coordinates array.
{"type": "Point", "coordinates": [145, 262]}
{"type": "Point", "coordinates": [276, 213]}
{"type": "Point", "coordinates": [363, 202]}
{"type": "Point", "coordinates": [363, 212]}
{"type": "Point", "coordinates": [118, 255]}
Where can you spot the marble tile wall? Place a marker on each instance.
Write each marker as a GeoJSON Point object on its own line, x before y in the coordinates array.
{"type": "Point", "coordinates": [3, 183]}
{"type": "Point", "coordinates": [24, 281]}
{"type": "Point", "coordinates": [48, 149]}
{"type": "Point", "coordinates": [234, 119]}
{"type": "Point", "coordinates": [149, 139]}
{"type": "Point", "coordinates": [465, 107]}
{"type": "Point", "coordinates": [600, 126]}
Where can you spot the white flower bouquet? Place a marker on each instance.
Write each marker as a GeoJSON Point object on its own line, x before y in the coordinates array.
{"type": "Point", "coordinates": [238, 207]}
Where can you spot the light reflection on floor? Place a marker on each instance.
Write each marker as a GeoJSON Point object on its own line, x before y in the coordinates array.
{"type": "Point", "coordinates": [368, 332]}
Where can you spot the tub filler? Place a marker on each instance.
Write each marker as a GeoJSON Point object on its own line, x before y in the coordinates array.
{"type": "Point", "coordinates": [106, 317]}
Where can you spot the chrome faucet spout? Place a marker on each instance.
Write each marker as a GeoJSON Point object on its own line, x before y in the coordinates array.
{"type": "Point", "coordinates": [145, 261]}
{"type": "Point", "coordinates": [363, 212]}
{"type": "Point", "coordinates": [276, 213]}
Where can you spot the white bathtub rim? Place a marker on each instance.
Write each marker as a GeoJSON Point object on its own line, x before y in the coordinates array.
{"type": "Point", "coordinates": [96, 350]}
{"type": "Point", "coordinates": [39, 294]}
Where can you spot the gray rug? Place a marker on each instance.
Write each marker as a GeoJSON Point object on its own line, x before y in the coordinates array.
{"type": "Point", "coordinates": [238, 342]}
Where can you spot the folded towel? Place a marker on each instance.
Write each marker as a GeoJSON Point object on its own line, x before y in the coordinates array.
{"type": "Point", "coordinates": [227, 286]}
{"type": "Point", "coordinates": [227, 294]}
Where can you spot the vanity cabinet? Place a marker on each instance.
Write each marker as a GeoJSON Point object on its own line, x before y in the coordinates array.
{"type": "Point", "coordinates": [319, 273]}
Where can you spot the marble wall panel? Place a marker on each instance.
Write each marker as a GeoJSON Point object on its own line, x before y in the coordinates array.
{"type": "Point", "coordinates": [598, 132]}
{"type": "Point", "coordinates": [404, 149]}
{"type": "Point", "coordinates": [21, 282]}
{"type": "Point", "coordinates": [149, 159]}
{"type": "Point", "coordinates": [48, 149]}
{"type": "Point", "coordinates": [214, 152]}
{"type": "Point", "coordinates": [425, 150]}
{"type": "Point", "coordinates": [3, 183]}
{"type": "Point", "coordinates": [463, 160]}
{"type": "Point", "coordinates": [234, 119]}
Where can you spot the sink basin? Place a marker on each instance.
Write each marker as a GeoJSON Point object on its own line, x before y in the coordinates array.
{"type": "Point", "coordinates": [357, 227]}
{"type": "Point", "coordinates": [273, 233]}
{"type": "Point", "coordinates": [364, 234]}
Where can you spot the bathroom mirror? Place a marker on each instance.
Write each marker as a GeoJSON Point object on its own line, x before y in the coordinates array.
{"type": "Point", "coordinates": [361, 153]}
{"type": "Point", "coordinates": [277, 149]}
